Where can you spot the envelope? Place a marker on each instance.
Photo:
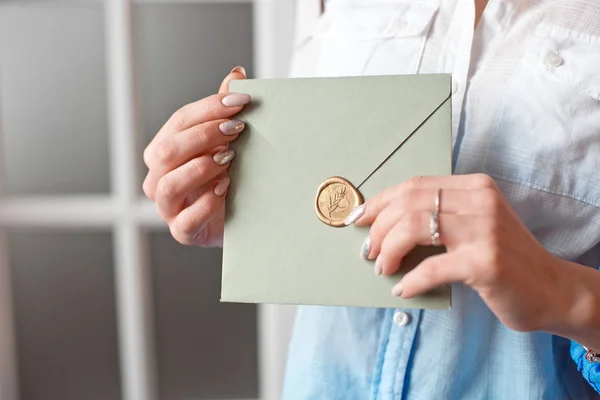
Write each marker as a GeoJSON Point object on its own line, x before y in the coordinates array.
{"type": "Point", "coordinates": [373, 132]}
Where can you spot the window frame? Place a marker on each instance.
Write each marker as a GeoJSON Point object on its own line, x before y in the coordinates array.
{"type": "Point", "coordinates": [129, 215]}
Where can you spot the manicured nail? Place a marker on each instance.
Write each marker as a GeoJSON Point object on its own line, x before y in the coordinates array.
{"type": "Point", "coordinates": [239, 69]}
{"type": "Point", "coordinates": [355, 214]}
{"type": "Point", "coordinates": [378, 268]}
{"type": "Point", "coordinates": [397, 290]}
{"type": "Point", "coordinates": [224, 156]}
{"type": "Point", "coordinates": [232, 127]}
{"type": "Point", "coordinates": [222, 186]}
{"type": "Point", "coordinates": [365, 249]}
{"type": "Point", "coordinates": [236, 99]}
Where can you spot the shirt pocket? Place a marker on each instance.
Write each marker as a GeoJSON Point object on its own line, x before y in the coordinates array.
{"type": "Point", "coordinates": [547, 135]}
{"type": "Point", "coordinates": [372, 37]}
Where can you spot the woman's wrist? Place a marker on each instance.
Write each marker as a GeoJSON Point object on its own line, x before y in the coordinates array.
{"type": "Point", "coordinates": [575, 309]}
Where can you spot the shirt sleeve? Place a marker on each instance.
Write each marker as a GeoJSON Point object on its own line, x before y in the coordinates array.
{"type": "Point", "coordinates": [589, 370]}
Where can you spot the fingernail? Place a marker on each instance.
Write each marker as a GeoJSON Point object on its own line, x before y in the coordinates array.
{"type": "Point", "coordinates": [232, 127]}
{"type": "Point", "coordinates": [397, 290]}
{"type": "Point", "coordinates": [222, 186]}
{"type": "Point", "coordinates": [239, 69]}
{"type": "Point", "coordinates": [365, 250]}
{"type": "Point", "coordinates": [378, 268]}
{"type": "Point", "coordinates": [236, 99]}
{"type": "Point", "coordinates": [224, 156]}
{"type": "Point", "coordinates": [355, 214]}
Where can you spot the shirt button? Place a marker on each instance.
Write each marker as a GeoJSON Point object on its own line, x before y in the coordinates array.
{"type": "Point", "coordinates": [401, 318]}
{"type": "Point", "coordinates": [454, 86]}
{"type": "Point", "coordinates": [553, 59]}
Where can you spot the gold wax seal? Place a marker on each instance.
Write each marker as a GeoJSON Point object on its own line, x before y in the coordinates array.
{"type": "Point", "coordinates": [336, 198]}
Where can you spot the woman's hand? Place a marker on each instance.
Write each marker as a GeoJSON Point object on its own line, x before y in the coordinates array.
{"type": "Point", "coordinates": [489, 248]}
{"type": "Point", "coordinates": [188, 161]}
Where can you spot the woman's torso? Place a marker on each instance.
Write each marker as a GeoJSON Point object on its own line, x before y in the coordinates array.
{"type": "Point", "coordinates": [526, 110]}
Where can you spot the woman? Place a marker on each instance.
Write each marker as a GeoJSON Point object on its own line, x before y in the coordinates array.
{"type": "Point", "coordinates": [520, 217]}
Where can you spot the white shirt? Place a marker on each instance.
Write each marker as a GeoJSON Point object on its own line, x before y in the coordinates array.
{"type": "Point", "coordinates": [527, 93]}
{"type": "Point", "coordinates": [526, 111]}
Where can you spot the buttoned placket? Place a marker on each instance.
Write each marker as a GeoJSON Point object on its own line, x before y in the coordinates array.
{"type": "Point", "coordinates": [456, 58]}
{"type": "Point", "coordinates": [402, 325]}
{"type": "Point", "coordinates": [494, 20]}
{"type": "Point", "coordinates": [405, 323]}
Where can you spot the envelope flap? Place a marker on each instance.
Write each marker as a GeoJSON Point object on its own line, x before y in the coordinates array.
{"type": "Point", "coordinates": [360, 121]}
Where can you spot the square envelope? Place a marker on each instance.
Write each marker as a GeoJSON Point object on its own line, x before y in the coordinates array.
{"type": "Point", "coordinates": [311, 149]}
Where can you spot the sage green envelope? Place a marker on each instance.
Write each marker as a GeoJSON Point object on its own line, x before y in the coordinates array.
{"type": "Point", "coordinates": [374, 131]}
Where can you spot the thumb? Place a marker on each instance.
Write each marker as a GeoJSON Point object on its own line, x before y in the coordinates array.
{"type": "Point", "coordinates": [236, 73]}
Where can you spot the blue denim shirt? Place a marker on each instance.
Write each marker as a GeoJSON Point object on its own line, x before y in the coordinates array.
{"type": "Point", "coordinates": [466, 353]}
{"type": "Point", "coordinates": [589, 369]}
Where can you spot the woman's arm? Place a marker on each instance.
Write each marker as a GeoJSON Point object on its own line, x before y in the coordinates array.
{"type": "Point", "coordinates": [578, 302]}
{"type": "Point", "coordinates": [490, 250]}
{"type": "Point", "coordinates": [590, 369]}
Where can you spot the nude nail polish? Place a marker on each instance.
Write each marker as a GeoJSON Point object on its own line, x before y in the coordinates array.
{"type": "Point", "coordinates": [355, 214]}
{"type": "Point", "coordinates": [239, 69]}
{"type": "Point", "coordinates": [224, 156]}
{"type": "Point", "coordinates": [232, 127]}
{"type": "Point", "coordinates": [222, 186]}
{"type": "Point", "coordinates": [236, 99]}
{"type": "Point", "coordinates": [397, 290]}
{"type": "Point", "coordinates": [365, 249]}
{"type": "Point", "coordinates": [378, 268]}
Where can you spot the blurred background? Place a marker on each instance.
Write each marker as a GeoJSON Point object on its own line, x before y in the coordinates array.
{"type": "Point", "coordinates": [96, 300]}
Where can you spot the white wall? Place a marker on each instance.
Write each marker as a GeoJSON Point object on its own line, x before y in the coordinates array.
{"type": "Point", "coordinates": [274, 31]}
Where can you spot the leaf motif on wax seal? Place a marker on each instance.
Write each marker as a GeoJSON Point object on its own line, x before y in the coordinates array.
{"type": "Point", "coordinates": [335, 198]}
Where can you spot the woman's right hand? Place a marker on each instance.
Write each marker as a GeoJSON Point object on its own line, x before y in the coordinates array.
{"type": "Point", "coordinates": [188, 161]}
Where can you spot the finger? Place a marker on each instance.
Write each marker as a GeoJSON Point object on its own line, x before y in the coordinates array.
{"type": "Point", "coordinates": [413, 230]}
{"type": "Point", "coordinates": [217, 106]}
{"type": "Point", "coordinates": [436, 271]}
{"type": "Point", "coordinates": [178, 184]}
{"type": "Point", "coordinates": [189, 226]}
{"type": "Point", "coordinates": [455, 182]}
{"type": "Point", "coordinates": [238, 72]}
{"type": "Point", "coordinates": [204, 110]}
{"type": "Point", "coordinates": [175, 150]}
{"type": "Point", "coordinates": [180, 148]}
{"type": "Point", "coordinates": [463, 202]}
{"type": "Point", "coordinates": [149, 186]}
{"type": "Point", "coordinates": [210, 185]}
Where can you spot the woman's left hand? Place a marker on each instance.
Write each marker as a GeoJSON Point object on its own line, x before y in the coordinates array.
{"type": "Point", "coordinates": [488, 247]}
